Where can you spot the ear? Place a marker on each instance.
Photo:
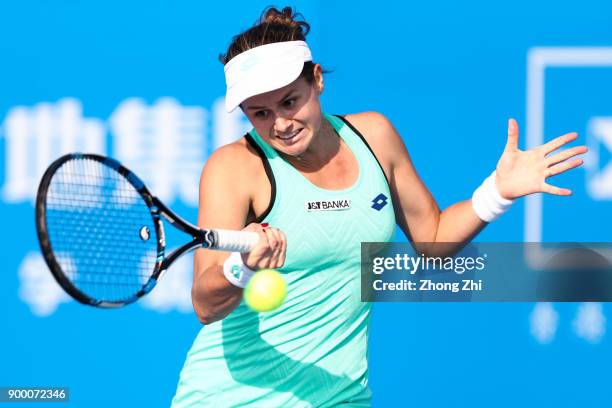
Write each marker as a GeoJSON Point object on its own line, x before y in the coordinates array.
{"type": "Point", "coordinates": [318, 78]}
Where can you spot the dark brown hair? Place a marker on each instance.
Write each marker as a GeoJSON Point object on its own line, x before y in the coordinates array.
{"type": "Point", "coordinates": [274, 25]}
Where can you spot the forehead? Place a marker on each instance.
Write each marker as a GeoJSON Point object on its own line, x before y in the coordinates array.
{"type": "Point", "coordinates": [273, 97]}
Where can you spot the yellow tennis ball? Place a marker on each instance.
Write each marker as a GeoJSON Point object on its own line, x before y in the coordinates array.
{"type": "Point", "coordinates": [265, 291]}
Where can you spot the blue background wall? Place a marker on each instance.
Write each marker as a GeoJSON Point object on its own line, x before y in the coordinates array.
{"type": "Point", "coordinates": [448, 74]}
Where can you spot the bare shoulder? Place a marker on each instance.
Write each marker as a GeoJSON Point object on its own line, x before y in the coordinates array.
{"type": "Point", "coordinates": [234, 186]}
{"type": "Point", "coordinates": [237, 160]}
{"type": "Point", "coordinates": [380, 134]}
{"type": "Point", "coordinates": [368, 120]}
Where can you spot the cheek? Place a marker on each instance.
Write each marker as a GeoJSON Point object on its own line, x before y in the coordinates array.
{"type": "Point", "coordinates": [262, 126]}
{"type": "Point", "coordinates": [311, 113]}
{"type": "Point", "coordinates": [315, 118]}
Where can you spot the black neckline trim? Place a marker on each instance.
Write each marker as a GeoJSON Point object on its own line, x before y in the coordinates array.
{"type": "Point", "coordinates": [269, 173]}
{"type": "Point", "coordinates": [358, 133]}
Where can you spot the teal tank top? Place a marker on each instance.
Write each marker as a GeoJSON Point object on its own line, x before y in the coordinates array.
{"type": "Point", "coordinates": [312, 351]}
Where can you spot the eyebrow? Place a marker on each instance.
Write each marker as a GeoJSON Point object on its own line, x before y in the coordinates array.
{"type": "Point", "coordinates": [280, 100]}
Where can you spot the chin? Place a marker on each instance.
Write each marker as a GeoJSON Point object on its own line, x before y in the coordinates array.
{"type": "Point", "coordinates": [294, 149]}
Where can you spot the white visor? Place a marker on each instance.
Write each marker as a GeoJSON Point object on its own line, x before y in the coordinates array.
{"type": "Point", "coordinates": [263, 69]}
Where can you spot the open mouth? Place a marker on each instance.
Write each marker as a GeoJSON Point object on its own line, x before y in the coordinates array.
{"type": "Point", "coordinates": [291, 135]}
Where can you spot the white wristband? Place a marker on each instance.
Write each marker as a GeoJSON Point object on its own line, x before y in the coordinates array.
{"type": "Point", "coordinates": [236, 272]}
{"type": "Point", "coordinates": [487, 202]}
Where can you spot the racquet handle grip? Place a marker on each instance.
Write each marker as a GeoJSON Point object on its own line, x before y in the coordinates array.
{"type": "Point", "coordinates": [235, 241]}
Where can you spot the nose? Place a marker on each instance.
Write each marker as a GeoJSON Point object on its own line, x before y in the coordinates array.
{"type": "Point", "coordinates": [282, 125]}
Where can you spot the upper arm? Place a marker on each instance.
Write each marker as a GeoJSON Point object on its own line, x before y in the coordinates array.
{"type": "Point", "coordinates": [416, 210]}
{"type": "Point", "coordinates": [224, 200]}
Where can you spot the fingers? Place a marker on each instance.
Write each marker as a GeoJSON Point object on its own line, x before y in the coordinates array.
{"type": "Point", "coordinates": [283, 252]}
{"type": "Point", "coordinates": [560, 168]}
{"type": "Point", "coordinates": [558, 142]}
{"type": "Point", "coordinates": [566, 154]}
{"type": "Point", "coordinates": [557, 163]}
{"type": "Point", "coordinates": [273, 238]}
{"type": "Point", "coordinates": [271, 249]}
{"type": "Point", "coordinates": [278, 245]}
{"type": "Point", "coordinates": [547, 188]}
{"type": "Point", "coordinates": [513, 135]}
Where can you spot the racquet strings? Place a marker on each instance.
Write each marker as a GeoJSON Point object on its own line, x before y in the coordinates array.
{"type": "Point", "coordinates": [101, 230]}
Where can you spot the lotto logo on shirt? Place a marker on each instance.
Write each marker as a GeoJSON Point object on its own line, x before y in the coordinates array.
{"type": "Point", "coordinates": [327, 205]}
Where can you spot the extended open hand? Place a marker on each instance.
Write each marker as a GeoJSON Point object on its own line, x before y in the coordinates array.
{"type": "Point", "coordinates": [520, 173]}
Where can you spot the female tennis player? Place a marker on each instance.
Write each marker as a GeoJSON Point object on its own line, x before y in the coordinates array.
{"type": "Point", "coordinates": [328, 183]}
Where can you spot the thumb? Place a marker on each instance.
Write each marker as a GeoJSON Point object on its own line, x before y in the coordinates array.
{"type": "Point", "coordinates": [513, 135]}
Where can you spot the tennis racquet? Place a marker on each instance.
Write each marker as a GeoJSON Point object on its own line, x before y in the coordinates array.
{"type": "Point", "coordinates": [101, 231]}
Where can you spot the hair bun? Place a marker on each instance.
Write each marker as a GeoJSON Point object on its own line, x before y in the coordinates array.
{"type": "Point", "coordinates": [273, 25]}
{"type": "Point", "coordinates": [287, 17]}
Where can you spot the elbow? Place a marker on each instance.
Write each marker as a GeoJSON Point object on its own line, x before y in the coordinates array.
{"type": "Point", "coordinates": [428, 249]}
{"type": "Point", "coordinates": [212, 303]}
{"type": "Point", "coordinates": [205, 315]}
{"type": "Point", "coordinates": [204, 312]}
{"type": "Point", "coordinates": [209, 312]}
{"type": "Point", "coordinates": [443, 249]}
{"type": "Point", "coordinates": [205, 318]}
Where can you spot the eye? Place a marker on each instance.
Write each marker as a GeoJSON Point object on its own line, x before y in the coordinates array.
{"type": "Point", "coordinates": [289, 103]}
{"type": "Point", "coordinates": [261, 114]}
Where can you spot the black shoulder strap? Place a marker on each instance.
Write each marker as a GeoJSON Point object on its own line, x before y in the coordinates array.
{"type": "Point", "coordinates": [358, 133]}
{"type": "Point", "coordinates": [269, 173]}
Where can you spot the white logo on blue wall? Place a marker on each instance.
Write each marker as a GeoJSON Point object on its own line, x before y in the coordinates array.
{"type": "Point", "coordinates": [37, 135]}
{"type": "Point", "coordinates": [165, 143]}
{"type": "Point", "coordinates": [589, 322]}
{"type": "Point", "coordinates": [543, 322]}
{"type": "Point", "coordinates": [37, 287]}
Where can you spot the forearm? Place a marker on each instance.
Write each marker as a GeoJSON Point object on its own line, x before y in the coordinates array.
{"type": "Point", "coordinates": [457, 225]}
{"type": "Point", "coordinates": [213, 296]}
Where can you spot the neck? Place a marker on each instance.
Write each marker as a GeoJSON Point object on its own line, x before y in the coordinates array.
{"type": "Point", "coordinates": [323, 147]}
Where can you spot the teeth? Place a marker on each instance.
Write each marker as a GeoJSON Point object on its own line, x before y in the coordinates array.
{"type": "Point", "coordinates": [291, 135]}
